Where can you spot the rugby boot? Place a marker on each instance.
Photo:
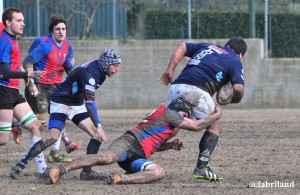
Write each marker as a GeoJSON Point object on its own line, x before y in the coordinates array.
{"type": "Point", "coordinates": [92, 175]}
{"type": "Point", "coordinates": [60, 158]}
{"type": "Point", "coordinates": [70, 146]}
{"type": "Point", "coordinates": [206, 173]}
{"type": "Point", "coordinates": [45, 175]}
{"type": "Point", "coordinates": [17, 132]}
{"type": "Point", "coordinates": [115, 178]}
{"type": "Point", "coordinates": [56, 173]}
{"type": "Point", "coordinates": [16, 172]}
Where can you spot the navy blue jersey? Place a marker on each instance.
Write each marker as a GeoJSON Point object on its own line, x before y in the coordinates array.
{"type": "Point", "coordinates": [210, 67]}
{"type": "Point", "coordinates": [81, 83]}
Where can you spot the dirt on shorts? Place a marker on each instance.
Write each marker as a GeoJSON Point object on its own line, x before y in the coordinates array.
{"type": "Point", "coordinates": [257, 153]}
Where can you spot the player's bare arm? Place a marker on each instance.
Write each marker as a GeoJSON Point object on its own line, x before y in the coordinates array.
{"type": "Point", "coordinates": [197, 125]}
{"type": "Point", "coordinates": [72, 61]}
{"type": "Point", "coordinates": [177, 56]}
{"type": "Point", "coordinates": [238, 93]}
{"type": "Point", "coordinates": [175, 145]}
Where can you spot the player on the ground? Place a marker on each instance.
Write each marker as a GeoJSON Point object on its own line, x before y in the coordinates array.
{"type": "Point", "coordinates": [210, 67]}
{"type": "Point", "coordinates": [74, 99]}
{"type": "Point", "coordinates": [133, 149]}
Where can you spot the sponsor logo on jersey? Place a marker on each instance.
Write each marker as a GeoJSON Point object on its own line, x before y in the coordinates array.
{"type": "Point", "coordinates": [219, 76]}
{"type": "Point", "coordinates": [92, 81]}
{"type": "Point", "coordinates": [90, 88]}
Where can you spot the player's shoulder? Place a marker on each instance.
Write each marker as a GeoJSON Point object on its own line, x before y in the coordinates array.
{"type": "Point", "coordinates": [66, 42]}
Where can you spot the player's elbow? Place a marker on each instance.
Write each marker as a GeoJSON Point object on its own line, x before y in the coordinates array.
{"type": "Point", "coordinates": [238, 93]}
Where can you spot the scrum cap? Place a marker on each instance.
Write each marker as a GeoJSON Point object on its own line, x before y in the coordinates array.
{"type": "Point", "coordinates": [180, 104]}
{"type": "Point", "coordinates": [109, 57]}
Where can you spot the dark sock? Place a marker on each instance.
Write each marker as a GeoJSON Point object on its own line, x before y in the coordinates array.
{"type": "Point", "coordinates": [92, 148]}
{"type": "Point", "coordinates": [206, 146]}
{"type": "Point", "coordinates": [35, 150]}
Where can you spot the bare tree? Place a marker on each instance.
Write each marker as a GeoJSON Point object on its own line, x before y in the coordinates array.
{"type": "Point", "coordinates": [87, 10]}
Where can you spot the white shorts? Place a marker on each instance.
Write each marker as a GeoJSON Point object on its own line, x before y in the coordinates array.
{"type": "Point", "coordinates": [70, 111]}
{"type": "Point", "coordinates": [196, 96]}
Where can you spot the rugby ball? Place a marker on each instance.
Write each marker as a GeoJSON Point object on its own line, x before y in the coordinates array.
{"type": "Point", "coordinates": [225, 94]}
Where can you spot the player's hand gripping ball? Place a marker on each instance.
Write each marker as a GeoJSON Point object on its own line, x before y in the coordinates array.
{"type": "Point", "coordinates": [224, 95]}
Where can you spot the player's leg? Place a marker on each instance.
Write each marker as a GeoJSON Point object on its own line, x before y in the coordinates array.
{"type": "Point", "coordinates": [8, 97]}
{"type": "Point", "coordinates": [105, 158]}
{"type": "Point", "coordinates": [16, 129]}
{"type": "Point", "coordinates": [144, 171]}
{"type": "Point", "coordinates": [40, 106]}
{"type": "Point", "coordinates": [208, 141]}
{"type": "Point", "coordinates": [38, 145]}
{"type": "Point", "coordinates": [5, 125]}
{"type": "Point", "coordinates": [69, 144]}
{"type": "Point", "coordinates": [83, 121]}
{"type": "Point", "coordinates": [24, 114]}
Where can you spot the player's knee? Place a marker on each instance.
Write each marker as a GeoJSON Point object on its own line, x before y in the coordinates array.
{"type": "Point", "coordinates": [107, 158]}
{"type": "Point", "coordinates": [50, 141]}
{"type": "Point", "coordinates": [43, 117]}
{"type": "Point", "coordinates": [159, 172]}
{"type": "Point", "coordinates": [34, 128]}
{"type": "Point", "coordinates": [4, 140]}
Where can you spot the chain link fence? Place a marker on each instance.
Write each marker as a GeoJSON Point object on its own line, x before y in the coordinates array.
{"type": "Point", "coordinates": [126, 19]}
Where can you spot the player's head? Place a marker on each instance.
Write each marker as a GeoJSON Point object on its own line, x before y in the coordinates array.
{"type": "Point", "coordinates": [109, 57]}
{"type": "Point", "coordinates": [8, 14]}
{"type": "Point", "coordinates": [55, 22]}
{"type": "Point", "coordinates": [181, 104]}
{"type": "Point", "coordinates": [13, 20]}
{"type": "Point", "coordinates": [238, 45]}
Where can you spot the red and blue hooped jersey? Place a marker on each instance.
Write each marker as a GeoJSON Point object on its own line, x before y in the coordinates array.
{"type": "Point", "coordinates": [44, 38]}
{"type": "Point", "coordinates": [157, 128]}
{"type": "Point", "coordinates": [10, 53]}
{"type": "Point", "coordinates": [52, 59]}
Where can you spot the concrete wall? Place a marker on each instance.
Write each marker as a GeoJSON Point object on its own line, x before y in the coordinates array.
{"type": "Point", "coordinates": [269, 83]}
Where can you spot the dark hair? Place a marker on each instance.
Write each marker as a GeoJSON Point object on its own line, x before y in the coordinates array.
{"type": "Point", "coordinates": [7, 14]}
{"type": "Point", "coordinates": [238, 45]}
{"type": "Point", "coordinates": [181, 104]}
{"type": "Point", "coordinates": [55, 22]}
{"type": "Point", "coordinates": [55, 16]}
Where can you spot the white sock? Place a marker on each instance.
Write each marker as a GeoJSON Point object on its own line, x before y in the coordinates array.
{"type": "Point", "coordinates": [39, 159]}
{"type": "Point", "coordinates": [56, 145]}
{"type": "Point", "coordinates": [64, 136]}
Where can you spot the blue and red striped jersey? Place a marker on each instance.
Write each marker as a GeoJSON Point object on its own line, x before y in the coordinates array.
{"type": "Point", "coordinates": [156, 128]}
{"type": "Point", "coordinates": [10, 53]}
{"type": "Point", "coordinates": [52, 59]}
